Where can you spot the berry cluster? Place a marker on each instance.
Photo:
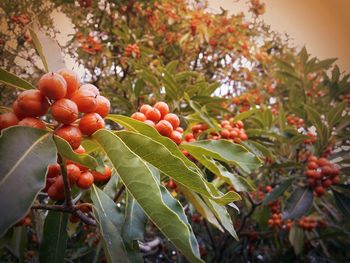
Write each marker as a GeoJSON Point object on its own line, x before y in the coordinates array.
{"type": "Point", "coordinates": [312, 137]}
{"type": "Point", "coordinates": [295, 121]}
{"type": "Point", "coordinates": [196, 131]}
{"type": "Point", "coordinates": [89, 44]}
{"type": "Point", "coordinates": [133, 51]}
{"type": "Point", "coordinates": [309, 223]}
{"type": "Point", "coordinates": [233, 131]}
{"type": "Point", "coordinates": [276, 220]}
{"type": "Point", "coordinates": [158, 116]}
{"type": "Point", "coordinates": [62, 93]}
{"type": "Point", "coordinates": [321, 174]}
{"type": "Point", "coordinates": [76, 173]}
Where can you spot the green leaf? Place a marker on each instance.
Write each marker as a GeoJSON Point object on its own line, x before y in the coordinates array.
{"type": "Point", "coordinates": [296, 238]}
{"type": "Point", "coordinates": [135, 221]}
{"type": "Point", "coordinates": [171, 66]}
{"type": "Point", "coordinates": [223, 216]}
{"type": "Point", "coordinates": [28, 153]}
{"type": "Point", "coordinates": [66, 151]}
{"type": "Point", "coordinates": [258, 149]}
{"type": "Point", "coordinates": [110, 221]}
{"type": "Point", "coordinates": [342, 201]}
{"type": "Point", "coordinates": [160, 157]}
{"type": "Point", "coordinates": [298, 203]}
{"type": "Point", "coordinates": [335, 114]}
{"type": "Point", "coordinates": [111, 187]}
{"type": "Point", "coordinates": [277, 191]}
{"type": "Point", "coordinates": [54, 243]}
{"type": "Point", "coordinates": [12, 80]}
{"type": "Point", "coordinates": [152, 133]}
{"type": "Point", "coordinates": [170, 85]}
{"type": "Point", "coordinates": [225, 151]}
{"type": "Point", "coordinates": [323, 64]}
{"type": "Point", "coordinates": [201, 207]}
{"type": "Point", "coordinates": [141, 184]}
{"type": "Point", "coordinates": [245, 115]}
{"type": "Point", "coordinates": [203, 114]}
{"type": "Point", "coordinates": [48, 49]}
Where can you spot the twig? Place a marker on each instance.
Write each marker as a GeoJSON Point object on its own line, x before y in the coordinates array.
{"type": "Point", "coordinates": [245, 217]}
{"type": "Point", "coordinates": [119, 193]}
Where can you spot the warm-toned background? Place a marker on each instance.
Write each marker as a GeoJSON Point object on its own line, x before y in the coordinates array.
{"type": "Point", "coordinates": [322, 25]}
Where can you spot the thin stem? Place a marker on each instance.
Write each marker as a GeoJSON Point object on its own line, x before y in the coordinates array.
{"type": "Point", "coordinates": [119, 193]}
{"type": "Point", "coordinates": [67, 190]}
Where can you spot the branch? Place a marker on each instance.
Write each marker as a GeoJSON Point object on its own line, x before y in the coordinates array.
{"type": "Point", "coordinates": [119, 193]}
{"type": "Point", "coordinates": [246, 216]}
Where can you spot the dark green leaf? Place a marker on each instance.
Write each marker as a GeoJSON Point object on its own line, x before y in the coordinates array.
{"type": "Point", "coordinates": [53, 246]}
{"type": "Point", "coordinates": [298, 203]}
{"type": "Point", "coordinates": [28, 153]}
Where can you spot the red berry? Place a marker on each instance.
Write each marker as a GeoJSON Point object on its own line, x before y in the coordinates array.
{"type": "Point", "coordinates": [71, 134]}
{"type": "Point", "coordinates": [86, 179]}
{"type": "Point", "coordinates": [31, 103]}
{"type": "Point", "coordinates": [225, 133]}
{"type": "Point", "coordinates": [103, 106]}
{"type": "Point", "coordinates": [164, 128]}
{"type": "Point", "coordinates": [73, 173]}
{"type": "Point", "coordinates": [90, 87]}
{"type": "Point", "coordinates": [312, 165]}
{"type": "Point", "coordinates": [189, 136]}
{"type": "Point", "coordinates": [176, 137]}
{"type": "Point", "coordinates": [153, 115]}
{"type": "Point", "coordinates": [150, 123]}
{"type": "Point", "coordinates": [99, 177]}
{"type": "Point", "coordinates": [173, 119]}
{"type": "Point", "coordinates": [53, 86]}
{"type": "Point", "coordinates": [72, 81]}
{"type": "Point", "coordinates": [162, 107]}
{"type": "Point", "coordinates": [139, 116]}
{"type": "Point", "coordinates": [85, 100]}
{"type": "Point", "coordinates": [53, 170]}
{"type": "Point", "coordinates": [32, 122]}
{"type": "Point", "coordinates": [7, 120]}
{"type": "Point", "coordinates": [64, 111]}
{"type": "Point", "coordinates": [90, 123]}
{"type": "Point", "coordinates": [144, 108]}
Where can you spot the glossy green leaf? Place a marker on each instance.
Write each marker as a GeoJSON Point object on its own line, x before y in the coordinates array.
{"type": "Point", "coordinates": [55, 236]}
{"type": "Point", "coordinates": [48, 49]}
{"type": "Point", "coordinates": [277, 191]}
{"type": "Point", "coordinates": [149, 131]}
{"type": "Point", "coordinates": [160, 157]}
{"type": "Point", "coordinates": [298, 203]}
{"type": "Point", "coordinates": [225, 151]}
{"type": "Point", "coordinates": [65, 150]}
{"type": "Point", "coordinates": [28, 153]}
{"type": "Point", "coordinates": [13, 81]}
{"type": "Point", "coordinates": [203, 114]}
{"type": "Point", "coordinates": [111, 187]}
{"type": "Point", "coordinates": [110, 222]}
{"type": "Point", "coordinates": [245, 115]}
{"type": "Point", "coordinates": [141, 184]}
{"type": "Point", "coordinates": [258, 149]}
{"type": "Point", "coordinates": [335, 113]}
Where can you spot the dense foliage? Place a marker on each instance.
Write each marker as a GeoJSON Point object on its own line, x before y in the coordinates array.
{"type": "Point", "coordinates": [256, 171]}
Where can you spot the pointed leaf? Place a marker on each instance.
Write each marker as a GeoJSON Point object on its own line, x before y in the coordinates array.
{"type": "Point", "coordinates": [296, 238]}
{"type": "Point", "coordinates": [298, 203]}
{"type": "Point", "coordinates": [55, 236]}
{"type": "Point", "coordinates": [161, 158]}
{"type": "Point", "coordinates": [13, 81]}
{"type": "Point", "coordinates": [141, 184]}
{"type": "Point", "coordinates": [28, 153]}
{"type": "Point", "coordinates": [277, 191]}
{"type": "Point", "coordinates": [110, 222]}
{"type": "Point", "coordinates": [65, 150]}
{"type": "Point", "coordinates": [342, 201]}
{"type": "Point", "coordinates": [225, 151]}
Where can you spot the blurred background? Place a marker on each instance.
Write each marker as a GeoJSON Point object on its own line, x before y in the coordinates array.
{"type": "Point", "coordinates": [323, 26]}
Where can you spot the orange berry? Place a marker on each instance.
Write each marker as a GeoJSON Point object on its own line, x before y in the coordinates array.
{"type": "Point", "coordinates": [71, 134]}
{"type": "Point", "coordinates": [150, 123]}
{"type": "Point", "coordinates": [243, 136]}
{"type": "Point", "coordinates": [189, 136]}
{"type": "Point", "coordinates": [268, 188]}
{"type": "Point", "coordinates": [32, 122]}
{"type": "Point", "coordinates": [8, 119]}
{"type": "Point", "coordinates": [327, 183]}
{"type": "Point", "coordinates": [179, 129]}
{"type": "Point", "coordinates": [164, 128]}
{"type": "Point", "coordinates": [85, 100]}
{"type": "Point", "coordinates": [322, 162]}
{"type": "Point", "coordinates": [144, 108]}
{"type": "Point", "coordinates": [86, 179]}
{"type": "Point", "coordinates": [72, 81]}
{"type": "Point", "coordinates": [312, 165]}
{"type": "Point", "coordinates": [54, 193]}
{"type": "Point", "coordinates": [90, 87]}
{"type": "Point", "coordinates": [65, 111]}
{"type": "Point", "coordinates": [90, 123]}
{"type": "Point", "coordinates": [53, 86]}
{"type": "Point", "coordinates": [320, 190]}
{"type": "Point", "coordinates": [73, 172]}
{"type": "Point", "coordinates": [53, 170]}
{"type": "Point", "coordinates": [102, 177]}
{"type": "Point", "coordinates": [103, 106]}
{"type": "Point", "coordinates": [176, 137]}
{"type": "Point", "coordinates": [162, 107]}
{"type": "Point", "coordinates": [31, 103]}
{"type": "Point", "coordinates": [225, 133]}
{"type": "Point", "coordinates": [153, 115]}
{"type": "Point", "coordinates": [336, 180]}
{"type": "Point", "coordinates": [326, 170]}
{"type": "Point", "coordinates": [173, 119]}
{"type": "Point", "coordinates": [139, 116]}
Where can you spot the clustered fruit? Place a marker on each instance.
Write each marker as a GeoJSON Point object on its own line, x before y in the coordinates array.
{"type": "Point", "coordinates": [233, 131]}
{"type": "Point", "coordinates": [77, 174]}
{"type": "Point", "coordinates": [295, 121]}
{"type": "Point", "coordinates": [309, 223]}
{"type": "Point", "coordinates": [158, 116]}
{"type": "Point", "coordinates": [321, 174]}
{"type": "Point", "coordinates": [312, 137]}
{"type": "Point", "coordinates": [66, 98]}
{"type": "Point", "coordinates": [132, 50]}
